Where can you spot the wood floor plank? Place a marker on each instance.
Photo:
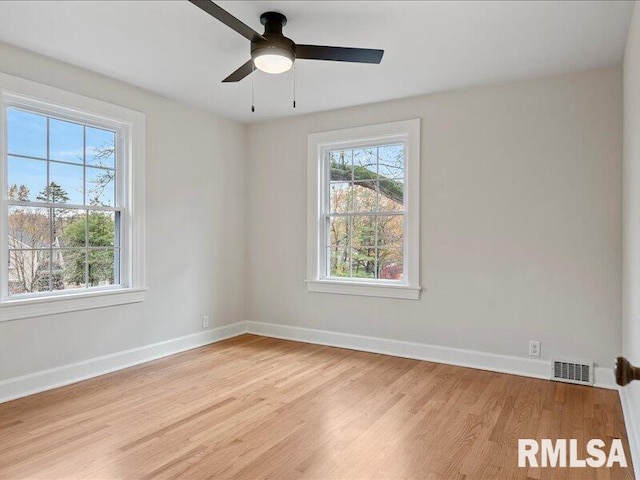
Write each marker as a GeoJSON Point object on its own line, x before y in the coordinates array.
{"type": "Point", "coordinates": [255, 407]}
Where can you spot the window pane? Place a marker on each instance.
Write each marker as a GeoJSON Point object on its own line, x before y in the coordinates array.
{"type": "Point", "coordinates": [42, 281]}
{"type": "Point", "coordinates": [364, 231]}
{"type": "Point", "coordinates": [365, 164]}
{"type": "Point", "coordinates": [69, 227]}
{"type": "Point", "coordinates": [339, 259]}
{"type": "Point", "coordinates": [390, 230]}
{"type": "Point", "coordinates": [340, 197]}
{"type": "Point", "coordinates": [28, 271]}
{"type": "Point", "coordinates": [26, 133]}
{"type": "Point", "coordinates": [27, 179]}
{"type": "Point", "coordinates": [65, 183]}
{"type": "Point", "coordinates": [339, 250]}
{"type": "Point", "coordinates": [339, 229]}
{"type": "Point", "coordinates": [57, 272]}
{"type": "Point", "coordinates": [391, 161]}
{"type": "Point", "coordinates": [102, 229]}
{"type": "Point", "coordinates": [363, 253]}
{"type": "Point", "coordinates": [100, 187]}
{"type": "Point", "coordinates": [363, 262]}
{"type": "Point", "coordinates": [365, 197]}
{"type": "Point", "coordinates": [390, 263]}
{"type": "Point", "coordinates": [28, 227]}
{"type": "Point", "coordinates": [340, 165]}
{"type": "Point", "coordinates": [391, 196]}
{"type": "Point", "coordinates": [101, 268]}
{"type": "Point", "coordinates": [66, 141]}
{"type": "Point", "coordinates": [100, 149]}
{"type": "Point", "coordinates": [70, 267]}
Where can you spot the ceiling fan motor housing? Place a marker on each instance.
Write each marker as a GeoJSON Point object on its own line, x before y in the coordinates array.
{"type": "Point", "coordinates": [276, 43]}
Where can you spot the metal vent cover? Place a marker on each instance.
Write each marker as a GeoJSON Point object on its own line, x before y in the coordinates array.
{"type": "Point", "coordinates": [571, 371]}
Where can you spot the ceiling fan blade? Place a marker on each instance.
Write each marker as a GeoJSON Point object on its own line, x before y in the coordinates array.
{"type": "Point", "coordinates": [239, 74]}
{"type": "Point", "coordinates": [228, 19]}
{"type": "Point", "coordinates": [339, 54]}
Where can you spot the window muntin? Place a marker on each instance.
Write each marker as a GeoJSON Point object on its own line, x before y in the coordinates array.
{"type": "Point", "coordinates": [364, 212]}
{"type": "Point", "coordinates": [63, 203]}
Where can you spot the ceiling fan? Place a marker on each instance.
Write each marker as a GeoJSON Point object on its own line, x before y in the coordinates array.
{"type": "Point", "coordinates": [272, 52]}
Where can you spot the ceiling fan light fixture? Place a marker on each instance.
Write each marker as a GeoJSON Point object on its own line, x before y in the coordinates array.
{"type": "Point", "coordinates": [273, 60]}
{"type": "Point", "coordinates": [272, 52]}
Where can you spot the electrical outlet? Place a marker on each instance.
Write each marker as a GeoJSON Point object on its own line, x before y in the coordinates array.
{"type": "Point", "coordinates": [205, 321]}
{"type": "Point", "coordinates": [534, 348]}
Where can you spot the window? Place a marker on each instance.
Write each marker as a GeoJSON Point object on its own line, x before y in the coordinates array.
{"type": "Point", "coordinates": [363, 210]}
{"type": "Point", "coordinates": [64, 210]}
{"type": "Point", "coordinates": [72, 183]}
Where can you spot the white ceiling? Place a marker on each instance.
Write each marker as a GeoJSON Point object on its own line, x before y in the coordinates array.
{"type": "Point", "coordinates": [175, 49]}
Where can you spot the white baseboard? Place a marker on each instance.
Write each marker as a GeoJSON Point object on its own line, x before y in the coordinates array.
{"type": "Point", "coordinates": [631, 422]}
{"type": "Point", "coordinates": [22, 386]}
{"type": "Point", "coordinates": [64, 375]}
{"type": "Point", "coordinates": [527, 367]}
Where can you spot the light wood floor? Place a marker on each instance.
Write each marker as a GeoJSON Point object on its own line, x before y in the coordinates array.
{"type": "Point", "coordinates": [254, 407]}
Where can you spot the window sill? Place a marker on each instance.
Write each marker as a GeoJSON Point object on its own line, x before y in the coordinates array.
{"type": "Point", "coordinates": [51, 305]}
{"type": "Point", "coordinates": [364, 288]}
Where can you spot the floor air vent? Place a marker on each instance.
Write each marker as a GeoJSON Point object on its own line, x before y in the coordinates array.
{"type": "Point", "coordinates": [572, 372]}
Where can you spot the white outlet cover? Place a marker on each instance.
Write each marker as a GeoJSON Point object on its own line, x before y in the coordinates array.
{"type": "Point", "coordinates": [534, 348]}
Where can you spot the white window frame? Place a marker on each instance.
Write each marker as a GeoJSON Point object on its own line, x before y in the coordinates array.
{"type": "Point", "coordinates": [130, 128]}
{"type": "Point", "coordinates": [318, 144]}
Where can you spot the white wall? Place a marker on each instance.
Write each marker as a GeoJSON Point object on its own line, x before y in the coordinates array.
{"type": "Point", "coordinates": [520, 230]}
{"type": "Point", "coordinates": [195, 230]}
{"type": "Point", "coordinates": [631, 235]}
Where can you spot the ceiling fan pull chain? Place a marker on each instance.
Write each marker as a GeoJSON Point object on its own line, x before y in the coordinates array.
{"type": "Point", "coordinates": [294, 86]}
{"type": "Point", "coordinates": [253, 101]}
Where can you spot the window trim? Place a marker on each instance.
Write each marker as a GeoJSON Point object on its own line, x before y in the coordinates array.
{"type": "Point", "coordinates": [130, 124]}
{"type": "Point", "coordinates": [317, 145]}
